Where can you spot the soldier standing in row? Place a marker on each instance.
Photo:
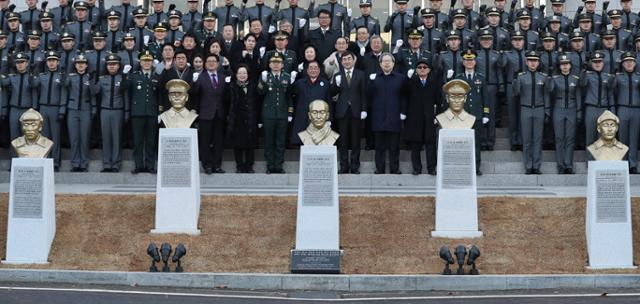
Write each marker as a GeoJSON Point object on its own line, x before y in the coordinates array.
{"type": "Point", "coordinates": [366, 19]}
{"type": "Point", "coordinates": [626, 86]}
{"type": "Point", "coordinates": [49, 88]}
{"type": "Point", "coordinates": [20, 96]}
{"type": "Point", "coordinates": [597, 85]}
{"type": "Point", "coordinates": [488, 65]}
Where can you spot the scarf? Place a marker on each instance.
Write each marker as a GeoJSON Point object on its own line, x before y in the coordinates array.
{"type": "Point", "coordinates": [317, 136]}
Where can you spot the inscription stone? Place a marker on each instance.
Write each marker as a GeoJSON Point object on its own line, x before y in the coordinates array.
{"type": "Point", "coordinates": [176, 162]}
{"type": "Point", "coordinates": [458, 166]}
{"type": "Point", "coordinates": [27, 192]}
{"type": "Point", "coordinates": [315, 261]}
{"type": "Point", "coordinates": [611, 196]}
{"type": "Point", "coordinates": [317, 180]}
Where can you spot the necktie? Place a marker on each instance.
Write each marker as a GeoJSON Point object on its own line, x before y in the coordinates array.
{"type": "Point", "coordinates": [469, 77]}
{"type": "Point", "coordinates": [214, 81]}
{"type": "Point", "coordinates": [349, 78]}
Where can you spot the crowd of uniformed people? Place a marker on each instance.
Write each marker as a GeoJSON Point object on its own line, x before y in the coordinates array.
{"type": "Point", "coordinates": [98, 75]}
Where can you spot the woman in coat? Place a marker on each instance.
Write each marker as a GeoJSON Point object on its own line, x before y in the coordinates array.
{"type": "Point", "coordinates": [242, 120]}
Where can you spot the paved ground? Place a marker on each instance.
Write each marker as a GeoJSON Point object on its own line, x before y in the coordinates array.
{"type": "Point", "coordinates": [70, 294]}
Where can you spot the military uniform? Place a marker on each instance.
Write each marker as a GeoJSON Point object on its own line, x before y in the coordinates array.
{"type": "Point", "coordinates": [80, 29]}
{"type": "Point", "coordinates": [477, 106]}
{"type": "Point", "coordinates": [126, 15]}
{"type": "Point", "coordinates": [15, 39]}
{"type": "Point", "coordinates": [277, 106]}
{"type": "Point", "coordinates": [30, 19]}
{"type": "Point", "coordinates": [630, 20]}
{"type": "Point", "coordinates": [96, 58]}
{"type": "Point", "coordinates": [501, 38]}
{"type": "Point", "coordinates": [51, 39]}
{"type": "Point", "coordinates": [293, 15]}
{"type": "Point", "coordinates": [597, 87]}
{"type": "Point", "coordinates": [36, 60]}
{"type": "Point", "coordinates": [626, 86]}
{"type": "Point", "coordinates": [155, 46]}
{"type": "Point", "coordinates": [612, 60]}
{"type": "Point", "coordinates": [263, 12]}
{"type": "Point", "coordinates": [202, 35]}
{"type": "Point", "coordinates": [49, 88]}
{"type": "Point", "coordinates": [229, 14]}
{"type": "Point", "coordinates": [369, 21]}
{"type": "Point", "coordinates": [578, 57]}
{"type": "Point", "coordinates": [142, 34]}
{"type": "Point", "coordinates": [399, 23]}
{"type": "Point", "coordinates": [191, 19]}
{"type": "Point", "coordinates": [488, 66]}
{"type": "Point", "coordinates": [407, 59]}
{"type": "Point", "coordinates": [157, 17]}
{"type": "Point", "coordinates": [534, 110]}
{"type": "Point", "coordinates": [513, 63]}
{"type": "Point", "coordinates": [19, 98]}
{"type": "Point", "coordinates": [340, 19]}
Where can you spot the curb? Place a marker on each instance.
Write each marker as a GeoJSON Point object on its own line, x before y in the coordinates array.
{"type": "Point", "coordinates": [345, 283]}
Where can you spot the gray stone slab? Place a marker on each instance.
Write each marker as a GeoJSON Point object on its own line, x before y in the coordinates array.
{"type": "Point", "coordinates": [358, 283]}
{"type": "Point", "coordinates": [617, 281]}
{"type": "Point", "coordinates": [550, 281]}
{"type": "Point", "coordinates": [20, 275]}
{"type": "Point", "coordinates": [315, 282]}
{"type": "Point", "coordinates": [170, 279]}
{"type": "Point", "coordinates": [248, 281]}
{"type": "Point", "coordinates": [459, 283]}
{"type": "Point", "coordinates": [85, 277]}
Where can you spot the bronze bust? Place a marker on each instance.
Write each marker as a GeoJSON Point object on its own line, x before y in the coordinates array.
{"type": "Point", "coordinates": [318, 132]}
{"type": "Point", "coordinates": [32, 144]}
{"type": "Point", "coordinates": [455, 117]}
{"type": "Point", "coordinates": [178, 116]}
{"type": "Point", "coordinates": [607, 147]}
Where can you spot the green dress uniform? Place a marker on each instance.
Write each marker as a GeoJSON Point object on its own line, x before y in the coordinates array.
{"type": "Point", "coordinates": [144, 95]}
{"type": "Point", "coordinates": [476, 105]}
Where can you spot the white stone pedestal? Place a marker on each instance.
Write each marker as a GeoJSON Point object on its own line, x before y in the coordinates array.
{"type": "Point", "coordinates": [178, 182]}
{"type": "Point", "coordinates": [318, 214]}
{"type": "Point", "coordinates": [31, 226]}
{"type": "Point", "coordinates": [608, 221]}
{"type": "Point", "coordinates": [456, 192]}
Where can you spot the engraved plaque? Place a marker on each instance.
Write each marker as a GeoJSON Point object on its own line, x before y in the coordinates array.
{"type": "Point", "coordinates": [27, 192]}
{"type": "Point", "coordinates": [317, 179]}
{"type": "Point", "coordinates": [315, 261]}
{"type": "Point", "coordinates": [457, 166]}
{"type": "Point", "coordinates": [176, 161]}
{"type": "Point", "coordinates": [611, 196]}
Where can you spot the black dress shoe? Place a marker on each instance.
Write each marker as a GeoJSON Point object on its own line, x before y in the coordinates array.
{"type": "Point", "coordinates": [514, 148]}
{"type": "Point", "coordinates": [378, 172]}
{"type": "Point", "coordinates": [56, 169]}
{"type": "Point", "coordinates": [415, 172]}
{"type": "Point", "coordinates": [633, 170]}
{"type": "Point", "coordinates": [208, 171]}
{"type": "Point", "coordinates": [396, 172]}
{"type": "Point", "coordinates": [478, 172]}
{"type": "Point", "coordinates": [105, 170]}
{"type": "Point", "coordinates": [562, 170]}
{"type": "Point", "coordinates": [137, 170]}
{"type": "Point", "coordinates": [152, 171]}
{"type": "Point", "coordinates": [268, 171]}
{"type": "Point", "coordinates": [536, 171]}
{"type": "Point", "coordinates": [355, 171]}
{"type": "Point", "coordinates": [431, 172]}
{"type": "Point", "coordinates": [489, 148]}
{"type": "Point", "coordinates": [75, 169]}
{"type": "Point", "coordinates": [568, 171]}
{"type": "Point", "coordinates": [343, 171]}
{"type": "Point", "coordinates": [218, 170]}
{"type": "Point", "coordinates": [249, 170]}
{"type": "Point", "coordinates": [528, 172]}
{"type": "Point", "coordinates": [83, 170]}
{"type": "Point", "coordinates": [115, 170]}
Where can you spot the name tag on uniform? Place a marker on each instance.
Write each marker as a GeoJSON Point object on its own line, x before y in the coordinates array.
{"type": "Point", "coordinates": [117, 83]}
{"type": "Point", "coordinates": [540, 83]}
{"type": "Point", "coordinates": [572, 84]}
{"type": "Point", "coordinates": [57, 80]}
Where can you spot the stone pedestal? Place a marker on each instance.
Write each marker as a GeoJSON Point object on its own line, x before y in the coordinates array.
{"type": "Point", "coordinates": [178, 183]}
{"type": "Point", "coordinates": [608, 221]}
{"type": "Point", "coordinates": [456, 192]}
{"type": "Point", "coordinates": [31, 225]}
{"type": "Point", "coordinates": [318, 218]}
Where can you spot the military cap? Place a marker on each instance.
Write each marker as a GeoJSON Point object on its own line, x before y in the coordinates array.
{"type": "Point", "coordinates": [281, 35]}
{"type": "Point", "coordinates": [3, 34]}
{"type": "Point", "coordinates": [453, 34]}
{"type": "Point", "coordinates": [555, 19]}
{"type": "Point", "coordinates": [486, 33]}
{"type": "Point", "coordinates": [517, 35]}
{"type": "Point", "coordinates": [587, 1]}
{"type": "Point", "coordinates": [576, 36]}
{"type": "Point", "coordinates": [113, 58]}
{"type": "Point", "coordinates": [424, 61]}
{"type": "Point", "coordinates": [177, 86]}
{"type": "Point", "coordinates": [81, 58]}
{"type": "Point", "coordinates": [415, 33]}
{"type": "Point", "coordinates": [209, 16]}
{"type": "Point", "coordinates": [524, 14]}
{"type": "Point", "coordinates": [557, 2]}
{"type": "Point", "coordinates": [51, 54]}
{"type": "Point", "coordinates": [459, 13]}
{"type": "Point", "coordinates": [584, 18]}
{"type": "Point", "coordinates": [34, 34]}
{"type": "Point", "coordinates": [456, 86]}
{"type": "Point", "coordinates": [145, 55]}
{"type": "Point", "coordinates": [607, 115]}
{"type": "Point", "coordinates": [276, 57]}
{"type": "Point", "coordinates": [628, 55]}
{"type": "Point", "coordinates": [400, 1]}
{"type": "Point", "coordinates": [493, 11]}
{"type": "Point", "coordinates": [13, 16]}
{"type": "Point", "coordinates": [427, 12]}
{"type": "Point", "coordinates": [31, 115]}
{"type": "Point", "coordinates": [157, 1]}
{"type": "Point", "coordinates": [469, 54]}
{"type": "Point", "coordinates": [175, 14]}
{"type": "Point", "coordinates": [548, 36]}
{"type": "Point", "coordinates": [140, 12]}
{"type": "Point", "coordinates": [80, 5]}
{"type": "Point", "coordinates": [636, 37]}
{"type": "Point", "coordinates": [160, 27]}
{"type": "Point", "coordinates": [20, 56]}
{"type": "Point", "coordinates": [46, 16]}
{"type": "Point", "coordinates": [597, 56]}
{"type": "Point", "coordinates": [365, 3]}
{"type": "Point", "coordinates": [532, 55]}
{"type": "Point", "coordinates": [192, 0]}
{"type": "Point", "coordinates": [608, 34]}
{"type": "Point", "coordinates": [113, 14]}
{"type": "Point", "coordinates": [67, 36]}
{"type": "Point", "coordinates": [615, 13]}
{"type": "Point", "coordinates": [99, 35]}
{"type": "Point", "coordinates": [128, 36]}
{"type": "Point", "coordinates": [564, 58]}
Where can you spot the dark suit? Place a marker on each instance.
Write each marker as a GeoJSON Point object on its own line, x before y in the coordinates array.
{"type": "Point", "coordinates": [351, 102]}
{"type": "Point", "coordinates": [324, 43]}
{"type": "Point", "coordinates": [211, 108]}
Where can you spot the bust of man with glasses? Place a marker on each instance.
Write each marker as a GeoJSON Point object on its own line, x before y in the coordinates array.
{"type": "Point", "coordinates": [318, 133]}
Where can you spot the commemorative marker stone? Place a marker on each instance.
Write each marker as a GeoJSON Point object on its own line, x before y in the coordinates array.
{"type": "Point", "coordinates": [608, 221]}
{"type": "Point", "coordinates": [178, 183]}
{"type": "Point", "coordinates": [456, 192]}
{"type": "Point", "coordinates": [31, 225]}
{"type": "Point", "coordinates": [318, 219]}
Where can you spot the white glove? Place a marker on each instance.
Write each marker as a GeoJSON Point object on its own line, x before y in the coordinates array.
{"type": "Point", "coordinates": [262, 50]}
{"type": "Point", "coordinates": [302, 22]}
{"type": "Point", "coordinates": [485, 120]}
{"type": "Point", "coordinates": [363, 115]}
{"type": "Point", "coordinates": [244, 53]}
{"type": "Point", "coordinates": [264, 76]}
{"type": "Point", "coordinates": [435, 121]}
{"type": "Point", "coordinates": [410, 73]}
{"type": "Point", "coordinates": [402, 116]}
{"type": "Point", "coordinates": [259, 126]}
{"type": "Point", "coordinates": [126, 69]}
{"type": "Point", "coordinates": [293, 76]}
{"type": "Point", "coordinates": [349, 12]}
{"type": "Point", "coordinates": [272, 29]}
{"type": "Point", "coordinates": [301, 67]}
{"type": "Point", "coordinates": [290, 118]}
{"type": "Point", "coordinates": [449, 73]}
{"type": "Point", "coordinates": [399, 43]}
{"type": "Point", "coordinates": [372, 76]}
{"type": "Point", "coordinates": [362, 51]}
{"type": "Point", "coordinates": [195, 76]}
{"type": "Point", "coordinates": [227, 79]}
{"type": "Point", "coordinates": [146, 39]}
{"type": "Point", "coordinates": [155, 62]}
{"type": "Point", "coordinates": [159, 119]}
{"type": "Point", "coordinates": [338, 80]}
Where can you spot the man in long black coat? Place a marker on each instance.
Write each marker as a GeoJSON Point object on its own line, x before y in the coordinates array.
{"type": "Point", "coordinates": [424, 102]}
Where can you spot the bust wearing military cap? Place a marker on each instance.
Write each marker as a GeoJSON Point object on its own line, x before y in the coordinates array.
{"type": "Point", "coordinates": [455, 117]}
{"type": "Point", "coordinates": [178, 116]}
{"type": "Point", "coordinates": [607, 147]}
{"type": "Point", "coordinates": [318, 133]}
{"type": "Point", "coordinates": [32, 144]}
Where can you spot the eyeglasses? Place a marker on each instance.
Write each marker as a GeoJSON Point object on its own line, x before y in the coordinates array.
{"type": "Point", "coordinates": [422, 67]}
